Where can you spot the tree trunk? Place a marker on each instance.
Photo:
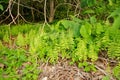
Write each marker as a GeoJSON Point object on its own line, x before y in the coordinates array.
{"type": "Point", "coordinates": [51, 17]}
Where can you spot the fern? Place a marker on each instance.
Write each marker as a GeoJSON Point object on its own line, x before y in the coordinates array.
{"type": "Point", "coordinates": [35, 44]}
{"type": "Point", "coordinates": [81, 50]}
{"type": "Point", "coordinates": [93, 53]}
{"type": "Point", "coordinates": [116, 71]}
{"type": "Point", "coordinates": [6, 37]}
{"type": "Point", "coordinates": [52, 55]}
{"type": "Point", "coordinates": [114, 46]}
{"type": "Point", "coordinates": [114, 35]}
{"type": "Point", "coordinates": [20, 40]}
{"type": "Point", "coordinates": [1, 45]}
{"type": "Point", "coordinates": [14, 31]}
{"type": "Point", "coordinates": [63, 44]}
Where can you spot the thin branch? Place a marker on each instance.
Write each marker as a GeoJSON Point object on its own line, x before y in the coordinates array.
{"type": "Point", "coordinates": [63, 4]}
{"type": "Point", "coordinates": [39, 1]}
{"type": "Point", "coordinates": [18, 14]}
{"type": "Point", "coordinates": [60, 4]}
{"type": "Point", "coordinates": [77, 6]}
{"type": "Point", "coordinates": [18, 10]}
{"type": "Point", "coordinates": [9, 6]}
{"type": "Point", "coordinates": [4, 11]}
{"type": "Point", "coordinates": [29, 7]}
{"type": "Point", "coordinates": [45, 18]}
{"type": "Point", "coordinates": [101, 70]}
{"type": "Point", "coordinates": [5, 19]}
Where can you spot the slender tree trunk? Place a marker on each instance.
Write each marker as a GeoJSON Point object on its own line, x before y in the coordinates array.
{"type": "Point", "coordinates": [51, 17]}
{"type": "Point", "coordinates": [45, 11]}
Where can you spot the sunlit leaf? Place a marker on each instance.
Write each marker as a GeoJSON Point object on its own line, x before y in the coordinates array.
{"type": "Point", "coordinates": [116, 23]}
{"type": "Point", "coordinates": [85, 30]}
{"type": "Point", "coordinates": [99, 28]}
{"type": "Point", "coordinates": [115, 14]}
{"type": "Point", "coordinates": [110, 2]}
{"type": "Point", "coordinates": [1, 7]}
{"type": "Point", "coordinates": [89, 11]}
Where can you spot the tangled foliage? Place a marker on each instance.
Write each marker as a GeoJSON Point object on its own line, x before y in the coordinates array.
{"type": "Point", "coordinates": [74, 39]}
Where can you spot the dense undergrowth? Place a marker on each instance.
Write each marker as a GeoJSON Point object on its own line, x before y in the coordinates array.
{"type": "Point", "coordinates": [24, 47]}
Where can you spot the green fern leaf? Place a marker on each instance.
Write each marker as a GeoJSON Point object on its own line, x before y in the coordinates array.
{"type": "Point", "coordinates": [20, 40]}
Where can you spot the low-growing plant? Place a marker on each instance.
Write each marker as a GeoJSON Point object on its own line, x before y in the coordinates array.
{"type": "Point", "coordinates": [74, 39]}
{"type": "Point", "coordinates": [116, 71]}
{"type": "Point", "coordinates": [20, 40]}
{"type": "Point", "coordinates": [114, 36]}
{"type": "Point", "coordinates": [6, 37]}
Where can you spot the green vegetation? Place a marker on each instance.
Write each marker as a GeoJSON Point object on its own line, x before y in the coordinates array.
{"type": "Point", "coordinates": [74, 39]}
{"type": "Point", "coordinates": [116, 72]}
{"type": "Point", "coordinates": [75, 30]}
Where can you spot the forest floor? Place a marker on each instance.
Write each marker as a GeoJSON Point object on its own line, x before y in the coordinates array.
{"type": "Point", "coordinates": [63, 71]}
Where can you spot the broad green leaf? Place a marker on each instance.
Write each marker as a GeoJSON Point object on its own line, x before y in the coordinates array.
{"type": "Point", "coordinates": [93, 20]}
{"type": "Point", "coordinates": [115, 14]}
{"type": "Point", "coordinates": [89, 11]}
{"type": "Point", "coordinates": [87, 3]}
{"type": "Point", "coordinates": [66, 23]}
{"type": "Point", "coordinates": [1, 7]}
{"type": "Point", "coordinates": [99, 28]}
{"type": "Point", "coordinates": [110, 2]}
{"type": "Point", "coordinates": [91, 2]}
{"type": "Point", "coordinates": [85, 30]}
{"type": "Point", "coordinates": [116, 23]}
{"type": "Point", "coordinates": [73, 26]}
{"type": "Point", "coordinates": [76, 19]}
